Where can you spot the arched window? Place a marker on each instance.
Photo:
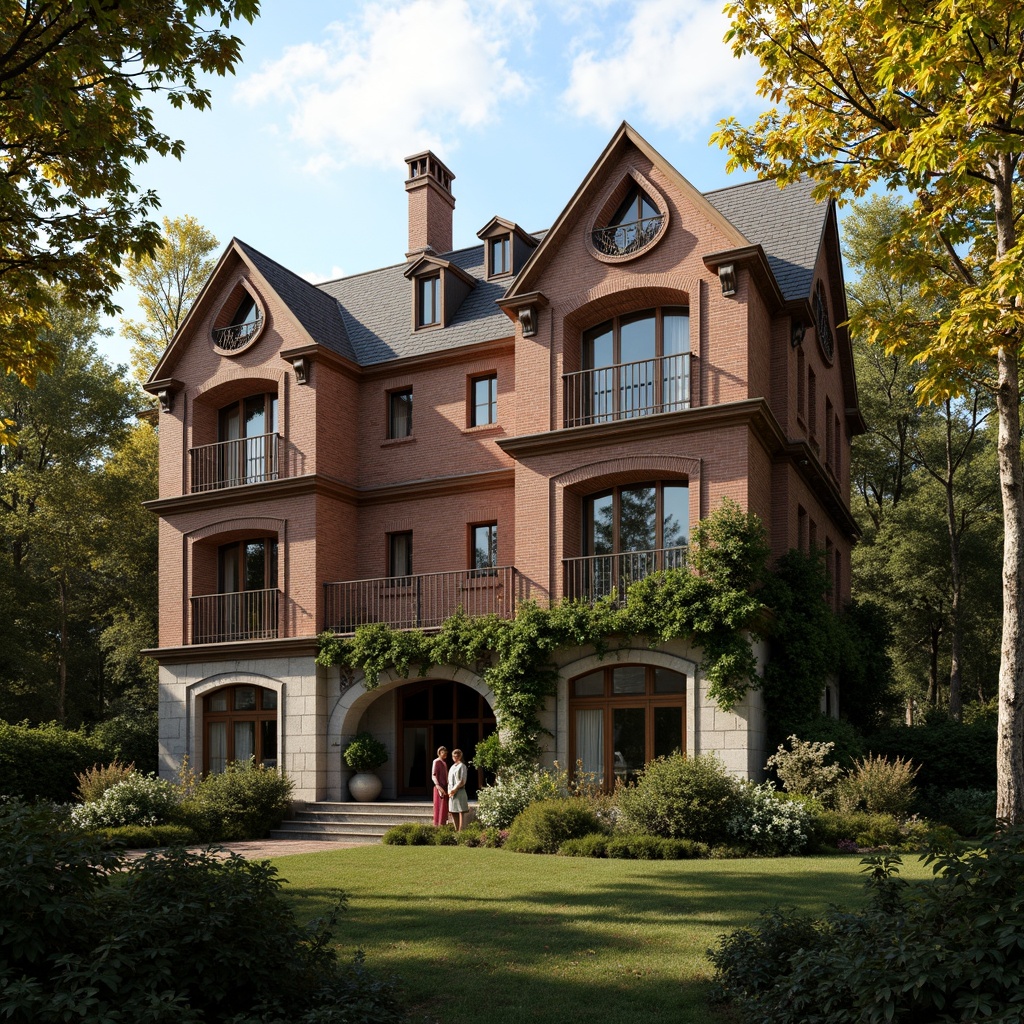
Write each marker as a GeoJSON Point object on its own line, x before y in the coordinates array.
{"type": "Point", "coordinates": [634, 365]}
{"type": "Point", "coordinates": [635, 222]}
{"type": "Point", "coordinates": [622, 716]}
{"type": "Point", "coordinates": [239, 722]}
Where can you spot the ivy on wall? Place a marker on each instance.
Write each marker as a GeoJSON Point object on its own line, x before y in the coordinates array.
{"type": "Point", "coordinates": [717, 602]}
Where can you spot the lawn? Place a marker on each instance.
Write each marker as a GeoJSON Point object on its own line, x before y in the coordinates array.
{"type": "Point", "coordinates": [489, 936]}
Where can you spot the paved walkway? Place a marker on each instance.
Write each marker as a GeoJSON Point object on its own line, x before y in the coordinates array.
{"type": "Point", "coordinates": [264, 849]}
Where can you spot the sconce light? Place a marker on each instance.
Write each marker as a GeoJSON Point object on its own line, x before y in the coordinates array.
{"type": "Point", "coordinates": [799, 330]}
{"type": "Point", "coordinates": [528, 318]}
{"type": "Point", "coordinates": [727, 275]}
{"type": "Point", "coordinates": [300, 364]}
{"type": "Point", "coordinates": [166, 398]}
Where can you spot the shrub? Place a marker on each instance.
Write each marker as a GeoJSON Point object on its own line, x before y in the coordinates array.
{"type": "Point", "coordinates": [847, 742]}
{"type": "Point", "coordinates": [199, 818]}
{"type": "Point", "coordinates": [410, 833]}
{"type": "Point", "coordinates": [246, 800]}
{"type": "Point", "coordinates": [185, 937]}
{"type": "Point", "coordinates": [544, 826]}
{"type": "Point", "coordinates": [471, 835]}
{"type": "Point", "coordinates": [943, 952]}
{"type": "Point", "coordinates": [365, 753]}
{"type": "Point", "coordinates": [445, 835]}
{"type": "Point", "coordinates": [131, 738]}
{"type": "Point", "coordinates": [512, 792]}
{"type": "Point", "coordinates": [950, 755]}
{"type": "Point", "coordinates": [635, 847]}
{"type": "Point", "coordinates": [805, 768]}
{"type": "Point", "coordinates": [95, 781]}
{"type": "Point", "coordinates": [135, 800]}
{"type": "Point", "coordinates": [970, 812]}
{"type": "Point", "coordinates": [681, 797]}
{"type": "Point", "coordinates": [494, 838]}
{"type": "Point", "coordinates": [40, 763]}
{"type": "Point", "coordinates": [684, 849]}
{"type": "Point", "coordinates": [133, 837]}
{"type": "Point", "coordinates": [594, 845]}
{"type": "Point", "coordinates": [878, 785]}
{"type": "Point", "coordinates": [767, 825]}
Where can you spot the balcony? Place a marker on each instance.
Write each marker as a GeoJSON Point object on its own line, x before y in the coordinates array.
{"type": "Point", "coordinates": [248, 460]}
{"type": "Point", "coordinates": [622, 239]}
{"type": "Point", "coordinates": [423, 601]}
{"type": "Point", "coordinates": [246, 615]}
{"type": "Point", "coordinates": [595, 576]}
{"type": "Point", "coordinates": [230, 339]}
{"type": "Point", "coordinates": [627, 390]}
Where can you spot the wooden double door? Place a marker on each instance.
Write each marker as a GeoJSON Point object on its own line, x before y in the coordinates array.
{"type": "Point", "coordinates": [433, 714]}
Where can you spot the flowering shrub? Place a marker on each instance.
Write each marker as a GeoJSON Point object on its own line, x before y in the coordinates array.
{"type": "Point", "coordinates": [513, 791]}
{"type": "Point", "coordinates": [135, 800]}
{"type": "Point", "coordinates": [768, 825]}
{"type": "Point", "coordinates": [804, 768]}
{"type": "Point", "coordinates": [95, 781]}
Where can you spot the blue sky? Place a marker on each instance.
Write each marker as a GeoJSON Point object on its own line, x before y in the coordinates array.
{"type": "Point", "coordinates": [302, 152]}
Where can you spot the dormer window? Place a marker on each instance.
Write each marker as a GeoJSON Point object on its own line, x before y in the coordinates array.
{"type": "Point", "coordinates": [500, 256]}
{"type": "Point", "coordinates": [428, 313]}
{"type": "Point", "coordinates": [239, 322]}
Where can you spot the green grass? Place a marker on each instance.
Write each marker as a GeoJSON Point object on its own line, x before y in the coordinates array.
{"type": "Point", "coordinates": [490, 936]}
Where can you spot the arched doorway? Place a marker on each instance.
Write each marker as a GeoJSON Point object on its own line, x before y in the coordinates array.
{"type": "Point", "coordinates": [438, 713]}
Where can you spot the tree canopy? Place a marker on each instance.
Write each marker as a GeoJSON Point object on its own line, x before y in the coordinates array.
{"type": "Point", "coordinates": [74, 125]}
{"type": "Point", "coordinates": [929, 97]}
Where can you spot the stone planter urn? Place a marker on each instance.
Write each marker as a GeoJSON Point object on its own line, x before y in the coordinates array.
{"type": "Point", "coordinates": [365, 786]}
{"type": "Point", "coordinates": [364, 755]}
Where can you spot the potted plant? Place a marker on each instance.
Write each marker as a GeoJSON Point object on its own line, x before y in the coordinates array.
{"type": "Point", "coordinates": [364, 755]}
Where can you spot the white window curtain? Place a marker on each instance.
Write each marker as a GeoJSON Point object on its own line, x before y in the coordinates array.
{"type": "Point", "coordinates": [245, 740]}
{"type": "Point", "coordinates": [590, 742]}
{"type": "Point", "coordinates": [217, 738]}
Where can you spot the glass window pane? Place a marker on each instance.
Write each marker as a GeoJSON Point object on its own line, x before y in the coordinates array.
{"type": "Point", "coordinates": [637, 519]}
{"type": "Point", "coordinates": [636, 339]}
{"type": "Point", "coordinates": [416, 706]}
{"type": "Point", "coordinates": [245, 740]}
{"type": "Point", "coordinates": [245, 698]}
{"type": "Point", "coordinates": [217, 745]}
{"type": "Point", "coordinates": [628, 732]}
{"type": "Point", "coordinates": [400, 414]}
{"type": "Point", "coordinates": [400, 554]}
{"type": "Point", "coordinates": [485, 546]}
{"type": "Point", "coordinates": [598, 348]}
{"type": "Point", "coordinates": [268, 743]}
{"type": "Point", "coordinates": [467, 704]}
{"type": "Point", "coordinates": [600, 536]}
{"type": "Point", "coordinates": [667, 681]}
{"type": "Point", "coordinates": [218, 701]}
{"type": "Point", "coordinates": [668, 731]}
{"type": "Point", "coordinates": [255, 415]}
{"type": "Point", "coordinates": [417, 760]}
{"type": "Point", "coordinates": [255, 565]}
{"type": "Point", "coordinates": [444, 701]}
{"type": "Point", "coordinates": [485, 400]}
{"type": "Point", "coordinates": [629, 679]}
{"type": "Point", "coordinates": [269, 699]}
{"type": "Point", "coordinates": [675, 516]}
{"type": "Point", "coordinates": [591, 685]}
{"type": "Point", "coordinates": [590, 742]}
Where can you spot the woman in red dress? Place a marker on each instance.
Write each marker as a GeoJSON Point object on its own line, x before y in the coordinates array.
{"type": "Point", "coordinates": [439, 774]}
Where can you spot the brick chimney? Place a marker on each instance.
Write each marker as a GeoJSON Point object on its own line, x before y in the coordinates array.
{"type": "Point", "coordinates": [431, 204]}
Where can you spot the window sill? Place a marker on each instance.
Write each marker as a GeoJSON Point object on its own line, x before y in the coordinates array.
{"type": "Point", "coordinates": [484, 430]}
{"type": "Point", "coordinates": [392, 442]}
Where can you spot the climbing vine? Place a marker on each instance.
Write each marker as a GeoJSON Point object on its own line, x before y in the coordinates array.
{"type": "Point", "coordinates": [717, 601]}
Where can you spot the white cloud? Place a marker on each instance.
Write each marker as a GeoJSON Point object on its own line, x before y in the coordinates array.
{"type": "Point", "coordinates": [398, 77]}
{"type": "Point", "coordinates": [669, 63]}
{"type": "Point", "coordinates": [318, 277]}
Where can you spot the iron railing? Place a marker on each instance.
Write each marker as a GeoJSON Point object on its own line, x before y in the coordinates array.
{"type": "Point", "coordinates": [596, 576]}
{"type": "Point", "coordinates": [622, 239]}
{"type": "Point", "coordinates": [247, 460]}
{"type": "Point", "coordinates": [422, 601]}
{"type": "Point", "coordinates": [625, 390]}
{"type": "Point", "coordinates": [236, 336]}
{"type": "Point", "coordinates": [246, 615]}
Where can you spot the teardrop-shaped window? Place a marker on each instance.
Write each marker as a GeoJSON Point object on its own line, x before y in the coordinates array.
{"type": "Point", "coordinates": [636, 221]}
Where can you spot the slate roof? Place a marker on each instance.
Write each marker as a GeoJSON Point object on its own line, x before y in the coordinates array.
{"type": "Point", "coordinates": [368, 318]}
{"type": "Point", "coordinates": [787, 223]}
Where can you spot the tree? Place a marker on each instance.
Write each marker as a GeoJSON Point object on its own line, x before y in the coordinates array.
{"type": "Point", "coordinates": [927, 97]}
{"type": "Point", "coordinates": [74, 124]}
{"type": "Point", "coordinates": [168, 282]}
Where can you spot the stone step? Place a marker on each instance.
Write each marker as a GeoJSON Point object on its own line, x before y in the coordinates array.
{"type": "Point", "coordinates": [350, 821]}
{"type": "Point", "coordinates": [325, 837]}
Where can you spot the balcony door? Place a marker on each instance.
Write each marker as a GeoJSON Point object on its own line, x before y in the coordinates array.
{"type": "Point", "coordinates": [246, 603]}
{"type": "Point", "coordinates": [629, 532]}
{"type": "Point", "coordinates": [247, 432]}
{"type": "Point", "coordinates": [436, 714]}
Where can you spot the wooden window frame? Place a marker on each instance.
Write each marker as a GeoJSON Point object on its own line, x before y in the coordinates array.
{"type": "Point", "coordinates": [258, 715]}
{"type": "Point", "coordinates": [492, 404]}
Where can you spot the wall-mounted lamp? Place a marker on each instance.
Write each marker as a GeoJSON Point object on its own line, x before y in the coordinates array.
{"type": "Point", "coordinates": [166, 398]}
{"type": "Point", "coordinates": [727, 275]}
{"type": "Point", "coordinates": [300, 364]}
{"type": "Point", "coordinates": [799, 330]}
{"type": "Point", "coordinates": [528, 318]}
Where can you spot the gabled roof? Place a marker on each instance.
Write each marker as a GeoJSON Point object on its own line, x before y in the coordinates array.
{"type": "Point", "coordinates": [787, 223]}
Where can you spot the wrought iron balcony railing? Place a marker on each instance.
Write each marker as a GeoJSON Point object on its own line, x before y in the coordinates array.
{"type": "Point", "coordinates": [596, 576]}
{"type": "Point", "coordinates": [622, 239]}
{"type": "Point", "coordinates": [422, 601]}
{"type": "Point", "coordinates": [237, 336]}
{"type": "Point", "coordinates": [248, 460]}
{"type": "Point", "coordinates": [246, 615]}
{"type": "Point", "coordinates": [625, 390]}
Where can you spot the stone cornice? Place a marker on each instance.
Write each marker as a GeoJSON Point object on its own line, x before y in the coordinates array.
{"type": "Point", "coordinates": [285, 647]}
